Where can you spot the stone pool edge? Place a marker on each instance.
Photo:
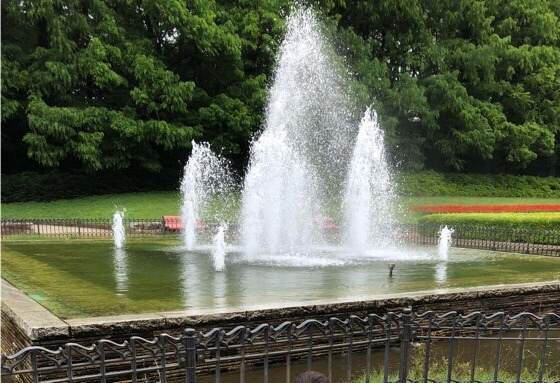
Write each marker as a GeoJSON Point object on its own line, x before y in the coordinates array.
{"type": "Point", "coordinates": [40, 326]}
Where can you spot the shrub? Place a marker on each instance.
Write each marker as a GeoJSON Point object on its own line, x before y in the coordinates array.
{"type": "Point", "coordinates": [543, 228]}
{"type": "Point", "coordinates": [31, 186]}
{"type": "Point", "coordinates": [431, 183]}
{"type": "Point", "coordinates": [495, 208]}
{"type": "Point", "coordinates": [509, 220]}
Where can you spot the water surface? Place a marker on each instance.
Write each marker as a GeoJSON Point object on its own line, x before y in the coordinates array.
{"type": "Point", "coordinates": [83, 278]}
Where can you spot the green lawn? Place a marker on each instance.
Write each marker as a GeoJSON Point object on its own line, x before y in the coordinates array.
{"type": "Point", "coordinates": [138, 205]}
{"type": "Point", "coordinates": [156, 204]}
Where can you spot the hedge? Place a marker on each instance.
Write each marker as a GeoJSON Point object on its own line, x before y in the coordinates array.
{"type": "Point", "coordinates": [542, 228]}
{"type": "Point", "coordinates": [506, 220]}
{"type": "Point", "coordinates": [32, 186]}
{"type": "Point", "coordinates": [431, 183]}
{"type": "Point", "coordinates": [493, 208]}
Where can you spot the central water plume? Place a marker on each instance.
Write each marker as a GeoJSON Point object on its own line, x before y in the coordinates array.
{"type": "Point", "coordinates": [278, 199]}
{"type": "Point", "coordinates": [301, 157]}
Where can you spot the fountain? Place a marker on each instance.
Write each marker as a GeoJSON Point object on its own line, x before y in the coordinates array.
{"type": "Point", "coordinates": [206, 177]}
{"type": "Point", "coordinates": [119, 234]}
{"type": "Point", "coordinates": [368, 214]}
{"type": "Point", "coordinates": [444, 242]}
{"type": "Point", "coordinates": [314, 164]}
{"type": "Point", "coordinates": [317, 194]}
{"type": "Point", "coordinates": [299, 163]}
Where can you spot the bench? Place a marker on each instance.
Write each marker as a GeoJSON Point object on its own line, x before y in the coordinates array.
{"type": "Point", "coordinates": [172, 223]}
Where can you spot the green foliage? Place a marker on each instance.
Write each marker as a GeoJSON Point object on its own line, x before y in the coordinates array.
{"type": "Point", "coordinates": [31, 186]}
{"type": "Point", "coordinates": [430, 183]}
{"type": "Point", "coordinates": [461, 85]}
{"type": "Point", "coordinates": [467, 85]}
{"type": "Point", "coordinates": [460, 372]}
{"type": "Point", "coordinates": [502, 220]}
{"type": "Point", "coordinates": [112, 85]}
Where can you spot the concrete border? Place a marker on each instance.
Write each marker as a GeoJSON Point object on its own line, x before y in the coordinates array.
{"type": "Point", "coordinates": [34, 320]}
{"type": "Point", "coordinates": [42, 326]}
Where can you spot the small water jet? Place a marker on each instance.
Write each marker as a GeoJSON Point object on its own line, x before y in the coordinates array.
{"type": "Point", "coordinates": [119, 234]}
{"type": "Point", "coordinates": [206, 176]}
{"type": "Point", "coordinates": [219, 248]}
{"type": "Point", "coordinates": [444, 243]}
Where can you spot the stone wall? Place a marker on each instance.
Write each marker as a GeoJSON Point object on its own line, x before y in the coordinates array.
{"type": "Point", "coordinates": [536, 298]}
{"type": "Point", "coordinates": [22, 326]}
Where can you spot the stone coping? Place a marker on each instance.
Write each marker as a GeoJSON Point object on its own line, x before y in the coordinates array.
{"type": "Point", "coordinates": [33, 319]}
{"type": "Point", "coordinates": [40, 324]}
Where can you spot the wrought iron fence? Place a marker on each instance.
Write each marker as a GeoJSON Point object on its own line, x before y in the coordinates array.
{"type": "Point", "coordinates": [394, 347]}
{"type": "Point", "coordinates": [521, 240]}
{"type": "Point", "coordinates": [495, 238]}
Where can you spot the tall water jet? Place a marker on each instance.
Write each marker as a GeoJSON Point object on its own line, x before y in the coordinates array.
{"type": "Point", "coordinates": [278, 204]}
{"type": "Point", "coordinates": [444, 243]}
{"type": "Point", "coordinates": [219, 248]}
{"type": "Point", "coordinates": [368, 198]}
{"type": "Point", "coordinates": [206, 176]}
{"type": "Point", "coordinates": [119, 234]}
{"type": "Point", "coordinates": [301, 155]}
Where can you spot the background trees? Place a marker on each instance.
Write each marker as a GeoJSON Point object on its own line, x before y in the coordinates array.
{"type": "Point", "coordinates": [97, 85]}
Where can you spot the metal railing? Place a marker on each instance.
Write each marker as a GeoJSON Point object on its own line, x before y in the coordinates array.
{"type": "Point", "coordinates": [487, 237]}
{"type": "Point", "coordinates": [394, 347]}
{"type": "Point", "coordinates": [520, 240]}
{"type": "Point", "coordinates": [80, 228]}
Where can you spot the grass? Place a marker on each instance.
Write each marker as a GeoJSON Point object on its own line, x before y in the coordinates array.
{"type": "Point", "coordinates": [156, 204]}
{"type": "Point", "coordinates": [461, 372]}
{"type": "Point", "coordinates": [138, 205]}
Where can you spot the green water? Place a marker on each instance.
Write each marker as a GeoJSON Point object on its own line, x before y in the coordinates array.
{"type": "Point", "coordinates": [77, 278]}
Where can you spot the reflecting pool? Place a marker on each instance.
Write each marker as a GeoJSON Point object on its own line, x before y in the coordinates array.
{"type": "Point", "coordinates": [84, 278]}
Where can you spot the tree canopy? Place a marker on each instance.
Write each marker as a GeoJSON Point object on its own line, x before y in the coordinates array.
{"type": "Point", "coordinates": [93, 85]}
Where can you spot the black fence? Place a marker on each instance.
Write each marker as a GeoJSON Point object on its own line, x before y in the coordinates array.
{"type": "Point", "coordinates": [494, 238]}
{"type": "Point", "coordinates": [84, 228]}
{"type": "Point", "coordinates": [394, 347]}
{"type": "Point", "coordinates": [521, 240]}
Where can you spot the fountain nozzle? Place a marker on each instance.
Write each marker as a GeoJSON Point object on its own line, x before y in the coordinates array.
{"type": "Point", "coordinates": [391, 267]}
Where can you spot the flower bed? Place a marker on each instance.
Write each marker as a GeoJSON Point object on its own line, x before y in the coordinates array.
{"type": "Point", "coordinates": [524, 208]}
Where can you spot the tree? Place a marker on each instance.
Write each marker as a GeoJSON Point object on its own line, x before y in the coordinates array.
{"type": "Point", "coordinates": [114, 84]}
{"type": "Point", "coordinates": [461, 85]}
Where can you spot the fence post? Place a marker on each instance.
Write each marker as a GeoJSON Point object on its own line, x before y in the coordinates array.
{"type": "Point", "coordinates": [190, 355]}
{"type": "Point", "coordinates": [406, 337]}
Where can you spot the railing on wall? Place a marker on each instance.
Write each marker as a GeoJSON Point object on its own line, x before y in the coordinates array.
{"type": "Point", "coordinates": [521, 240]}
{"type": "Point", "coordinates": [394, 347]}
